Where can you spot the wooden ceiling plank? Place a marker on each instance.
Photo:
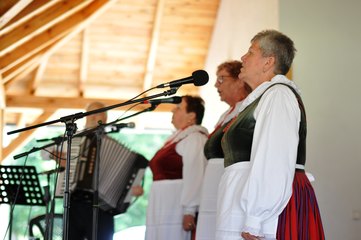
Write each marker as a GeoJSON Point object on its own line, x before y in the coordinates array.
{"type": "Point", "coordinates": [2, 95]}
{"type": "Point", "coordinates": [2, 114]}
{"type": "Point", "coordinates": [43, 40]}
{"type": "Point", "coordinates": [18, 118]}
{"type": "Point", "coordinates": [23, 67]}
{"type": "Point", "coordinates": [34, 8]}
{"type": "Point", "coordinates": [30, 49]}
{"type": "Point", "coordinates": [54, 103]}
{"type": "Point", "coordinates": [26, 135]}
{"type": "Point", "coordinates": [39, 73]}
{"type": "Point", "coordinates": [84, 61]}
{"type": "Point", "coordinates": [40, 23]}
{"type": "Point", "coordinates": [2, 123]}
{"type": "Point", "coordinates": [13, 11]}
{"type": "Point", "coordinates": [32, 62]}
{"type": "Point", "coordinates": [21, 120]}
{"type": "Point", "coordinates": [20, 70]}
{"type": "Point", "coordinates": [154, 42]}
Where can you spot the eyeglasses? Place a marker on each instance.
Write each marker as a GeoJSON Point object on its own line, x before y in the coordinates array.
{"type": "Point", "coordinates": [220, 79]}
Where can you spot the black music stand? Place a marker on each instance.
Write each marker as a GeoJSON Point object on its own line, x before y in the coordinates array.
{"type": "Point", "coordinates": [19, 185]}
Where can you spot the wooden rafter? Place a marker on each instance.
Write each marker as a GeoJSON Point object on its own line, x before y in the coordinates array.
{"type": "Point", "coordinates": [24, 136]}
{"type": "Point", "coordinates": [98, 53]}
{"type": "Point", "coordinates": [13, 11]}
{"type": "Point", "coordinates": [23, 67]}
{"type": "Point", "coordinates": [148, 77]}
{"type": "Point", "coordinates": [84, 60]}
{"type": "Point", "coordinates": [2, 107]}
{"type": "Point", "coordinates": [50, 36]}
{"type": "Point", "coordinates": [54, 103]}
{"type": "Point", "coordinates": [34, 8]}
{"type": "Point", "coordinates": [40, 23]}
{"type": "Point", "coordinates": [38, 74]}
{"type": "Point", "coordinates": [36, 45]}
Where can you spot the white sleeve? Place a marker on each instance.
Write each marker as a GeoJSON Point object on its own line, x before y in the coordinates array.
{"type": "Point", "coordinates": [273, 158]}
{"type": "Point", "coordinates": [194, 161]}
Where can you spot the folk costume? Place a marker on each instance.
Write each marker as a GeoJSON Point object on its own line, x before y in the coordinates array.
{"type": "Point", "coordinates": [264, 190]}
{"type": "Point", "coordinates": [178, 169]}
{"type": "Point", "coordinates": [206, 224]}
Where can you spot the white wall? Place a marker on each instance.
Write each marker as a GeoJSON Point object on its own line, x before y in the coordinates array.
{"type": "Point", "coordinates": [237, 22]}
{"type": "Point", "coordinates": [327, 67]}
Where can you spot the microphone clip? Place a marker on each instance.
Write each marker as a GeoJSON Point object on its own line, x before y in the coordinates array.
{"type": "Point", "coordinates": [171, 91]}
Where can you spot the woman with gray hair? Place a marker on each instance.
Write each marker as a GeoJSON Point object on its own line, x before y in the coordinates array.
{"type": "Point", "coordinates": [264, 192]}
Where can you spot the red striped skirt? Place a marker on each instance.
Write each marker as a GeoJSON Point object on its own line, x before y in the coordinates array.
{"type": "Point", "coordinates": [301, 219]}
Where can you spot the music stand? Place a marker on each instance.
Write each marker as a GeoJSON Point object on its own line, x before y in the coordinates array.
{"type": "Point", "coordinates": [20, 185]}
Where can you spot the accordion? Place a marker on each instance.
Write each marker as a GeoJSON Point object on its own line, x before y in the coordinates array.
{"type": "Point", "coordinates": [119, 170]}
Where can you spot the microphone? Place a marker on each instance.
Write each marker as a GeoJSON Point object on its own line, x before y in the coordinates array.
{"type": "Point", "coordinates": [59, 169]}
{"type": "Point", "coordinates": [198, 78]}
{"type": "Point", "coordinates": [174, 100]}
{"type": "Point", "coordinates": [55, 139]}
{"type": "Point", "coordinates": [117, 127]}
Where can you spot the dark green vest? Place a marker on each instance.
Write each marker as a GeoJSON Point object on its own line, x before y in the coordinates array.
{"type": "Point", "coordinates": [213, 148]}
{"type": "Point", "coordinates": [238, 138]}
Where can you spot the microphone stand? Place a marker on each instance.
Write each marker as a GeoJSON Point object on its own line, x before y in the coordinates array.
{"type": "Point", "coordinates": [98, 133]}
{"type": "Point", "coordinates": [80, 134]}
{"type": "Point", "coordinates": [50, 220]}
{"type": "Point", "coordinates": [71, 128]}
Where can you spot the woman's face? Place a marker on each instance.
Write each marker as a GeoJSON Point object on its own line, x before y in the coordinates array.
{"type": "Point", "coordinates": [230, 89]}
{"type": "Point", "coordinates": [252, 65]}
{"type": "Point", "coordinates": [181, 119]}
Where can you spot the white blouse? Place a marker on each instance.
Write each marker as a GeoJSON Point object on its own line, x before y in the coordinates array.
{"type": "Point", "coordinates": [273, 155]}
{"type": "Point", "coordinates": [190, 147]}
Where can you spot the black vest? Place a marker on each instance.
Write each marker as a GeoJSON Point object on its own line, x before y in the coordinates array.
{"type": "Point", "coordinates": [238, 138]}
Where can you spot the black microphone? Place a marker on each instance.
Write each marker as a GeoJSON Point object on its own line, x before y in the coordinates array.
{"type": "Point", "coordinates": [198, 78]}
{"type": "Point", "coordinates": [55, 139]}
{"type": "Point", "coordinates": [117, 127]}
{"type": "Point", "coordinates": [59, 169]}
{"type": "Point", "coordinates": [174, 100]}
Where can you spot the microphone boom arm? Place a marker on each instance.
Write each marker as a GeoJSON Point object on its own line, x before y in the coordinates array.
{"type": "Point", "coordinates": [76, 116]}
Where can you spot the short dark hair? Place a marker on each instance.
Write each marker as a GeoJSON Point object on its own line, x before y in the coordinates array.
{"type": "Point", "coordinates": [276, 44]}
{"type": "Point", "coordinates": [195, 104]}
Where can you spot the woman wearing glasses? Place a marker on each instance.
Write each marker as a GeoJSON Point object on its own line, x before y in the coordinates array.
{"type": "Point", "coordinates": [232, 91]}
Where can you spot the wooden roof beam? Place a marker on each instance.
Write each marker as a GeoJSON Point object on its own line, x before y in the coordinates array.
{"type": "Point", "coordinates": [26, 135]}
{"type": "Point", "coordinates": [54, 103]}
{"type": "Point", "coordinates": [31, 10]}
{"type": "Point", "coordinates": [30, 49]}
{"type": "Point", "coordinates": [13, 11]}
{"type": "Point", "coordinates": [2, 107]}
{"type": "Point", "coordinates": [39, 42]}
{"type": "Point", "coordinates": [39, 23]}
{"type": "Point", "coordinates": [84, 61]}
{"type": "Point", "coordinates": [152, 55]}
{"type": "Point", "coordinates": [23, 67]}
{"type": "Point", "coordinates": [39, 74]}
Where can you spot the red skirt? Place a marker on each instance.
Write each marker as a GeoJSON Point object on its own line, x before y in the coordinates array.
{"type": "Point", "coordinates": [301, 219]}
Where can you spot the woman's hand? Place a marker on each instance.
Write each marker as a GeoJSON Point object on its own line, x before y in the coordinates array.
{"type": "Point", "coordinates": [137, 191]}
{"type": "Point", "coordinates": [189, 223]}
{"type": "Point", "coordinates": [248, 236]}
